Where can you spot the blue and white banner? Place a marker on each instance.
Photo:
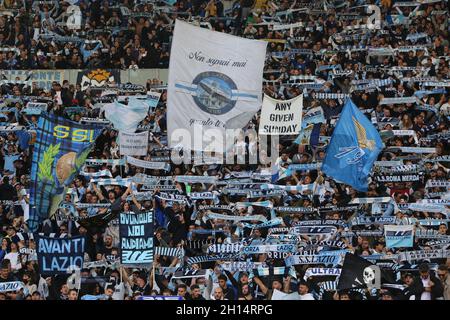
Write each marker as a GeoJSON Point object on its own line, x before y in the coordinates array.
{"type": "Point", "coordinates": [136, 237]}
{"type": "Point", "coordinates": [58, 255]}
{"type": "Point", "coordinates": [11, 286]}
{"type": "Point", "coordinates": [267, 224]}
{"type": "Point", "coordinates": [323, 272]}
{"type": "Point", "coordinates": [256, 249]}
{"type": "Point", "coordinates": [215, 83]}
{"type": "Point", "coordinates": [399, 236]}
{"type": "Point", "coordinates": [314, 259]}
{"type": "Point", "coordinates": [152, 165]}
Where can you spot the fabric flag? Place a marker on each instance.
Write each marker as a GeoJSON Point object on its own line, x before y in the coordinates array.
{"type": "Point", "coordinates": [354, 147]}
{"type": "Point", "coordinates": [309, 135]}
{"type": "Point", "coordinates": [133, 144]}
{"type": "Point", "coordinates": [352, 273]}
{"type": "Point", "coordinates": [97, 78]}
{"type": "Point", "coordinates": [60, 255]}
{"type": "Point", "coordinates": [215, 83]}
{"type": "Point", "coordinates": [152, 99]}
{"type": "Point", "coordinates": [60, 150]}
{"type": "Point", "coordinates": [126, 117]}
{"type": "Point", "coordinates": [136, 237]}
{"type": "Point", "coordinates": [313, 115]}
{"type": "Point", "coordinates": [399, 236]}
{"type": "Point", "coordinates": [281, 116]}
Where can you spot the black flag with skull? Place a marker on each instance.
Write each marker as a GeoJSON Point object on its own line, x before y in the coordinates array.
{"type": "Point", "coordinates": [358, 273]}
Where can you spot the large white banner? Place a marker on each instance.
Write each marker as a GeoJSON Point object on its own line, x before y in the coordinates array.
{"type": "Point", "coordinates": [281, 116]}
{"type": "Point", "coordinates": [133, 144]}
{"type": "Point", "coordinates": [215, 83]}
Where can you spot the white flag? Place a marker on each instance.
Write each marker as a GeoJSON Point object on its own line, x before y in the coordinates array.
{"type": "Point", "coordinates": [281, 116]}
{"type": "Point", "coordinates": [215, 83]}
{"type": "Point", "coordinates": [133, 144]}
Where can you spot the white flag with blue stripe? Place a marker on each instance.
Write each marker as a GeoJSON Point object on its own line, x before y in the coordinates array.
{"type": "Point", "coordinates": [215, 83]}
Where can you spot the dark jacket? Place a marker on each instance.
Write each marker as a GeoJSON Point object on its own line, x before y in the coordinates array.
{"type": "Point", "coordinates": [436, 291]}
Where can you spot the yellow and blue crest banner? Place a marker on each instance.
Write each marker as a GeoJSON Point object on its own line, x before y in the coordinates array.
{"type": "Point", "coordinates": [61, 149]}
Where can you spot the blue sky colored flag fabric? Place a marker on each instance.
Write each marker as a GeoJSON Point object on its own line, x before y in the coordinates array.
{"type": "Point", "coordinates": [126, 117]}
{"type": "Point", "coordinates": [353, 149]}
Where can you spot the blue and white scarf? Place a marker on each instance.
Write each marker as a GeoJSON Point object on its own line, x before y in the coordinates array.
{"type": "Point", "coordinates": [257, 217]}
{"type": "Point", "coordinates": [267, 224]}
{"type": "Point", "coordinates": [225, 248]}
{"type": "Point", "coordinates": [113, 162]}
{"type": "Point", "coordinates": [102, 173]}
{"type": "Point", "coordinates": [257, 249]}
{"type": "Point", "coordinates": [299, 188]}
{"type": "Point", "coordinates": [196, 179]}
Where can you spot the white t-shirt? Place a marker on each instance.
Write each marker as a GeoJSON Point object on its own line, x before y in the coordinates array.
{"type": "Point", "coordinates": [13, 257]}
{"type": "Point", "coordinates": [425, 295]}
{"type": "Point", "coordinates": [119, 291]}
{"type": "Point", "coordinates": [307, 296]}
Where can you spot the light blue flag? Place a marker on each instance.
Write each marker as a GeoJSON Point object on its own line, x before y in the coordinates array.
{"type": "Point", "coordinates": [399, 236]}
{"type": "Point", "coordinates": [354, 147]}
{"type": "Point", "coordinates": [126, 117]}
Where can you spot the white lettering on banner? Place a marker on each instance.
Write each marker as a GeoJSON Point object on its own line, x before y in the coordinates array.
{"type": "Point", "coordinates": [11, 286]}
{"type": "Point", "coordinates": [60, 247]}
{"type": "Point", "coordinates": [281, 117]}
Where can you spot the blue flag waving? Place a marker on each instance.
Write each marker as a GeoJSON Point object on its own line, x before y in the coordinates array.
{"type": "Point", "coordinates": [354, 147]}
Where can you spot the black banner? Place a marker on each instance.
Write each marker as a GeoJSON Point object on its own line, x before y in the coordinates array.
{"type": "Point", "coordinates": [136, 238]}
{"type": "Point", "coordinates": [57, 255]}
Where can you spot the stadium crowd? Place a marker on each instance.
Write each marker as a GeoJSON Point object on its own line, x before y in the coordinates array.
{"type": "Point", "coordinates": [408, 56]}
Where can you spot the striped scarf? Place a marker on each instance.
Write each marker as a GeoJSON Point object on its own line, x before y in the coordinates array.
{"type": "Point", "coordinates": [170, 252]}
{"type": "Point", "coordinates": [102, 173]}
{"type": "Point", "coordinates": [266, 224]}
{"type": "Point", "coordinates": [265, 204]}
{"type": "Point", "coordinates": [329, 95]}
{"type": "Point", "coordinates": [198, 244]}
{"type": "Point", "coordinates": [235, 266]}
{"type": "Point", "coordinates": [212, 258]}
{"type": "Point", "coordinates": [299, 188]}
{"type": "Point", "coordinates": [225, 248]}
{"type": "Point", "coordinates": [257, 217]}
{"type": "Point", "coordinates": [119, 181]}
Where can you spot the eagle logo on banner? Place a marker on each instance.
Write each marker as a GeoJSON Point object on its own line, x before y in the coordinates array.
{"type": "Point", "coordinates": [354, 155]}
{"type": "Point", "coordinates": [362, 136]}
{"type": "Point", "coordinates": [97, 78]}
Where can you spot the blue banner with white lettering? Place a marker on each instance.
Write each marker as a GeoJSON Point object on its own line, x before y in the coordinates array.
{"type": "Point", "coordinates": [58, 255]}
{"type": "Point", "coordinates": [60, 150]}
{"type": "Point", "coordinates": [136, 237]}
